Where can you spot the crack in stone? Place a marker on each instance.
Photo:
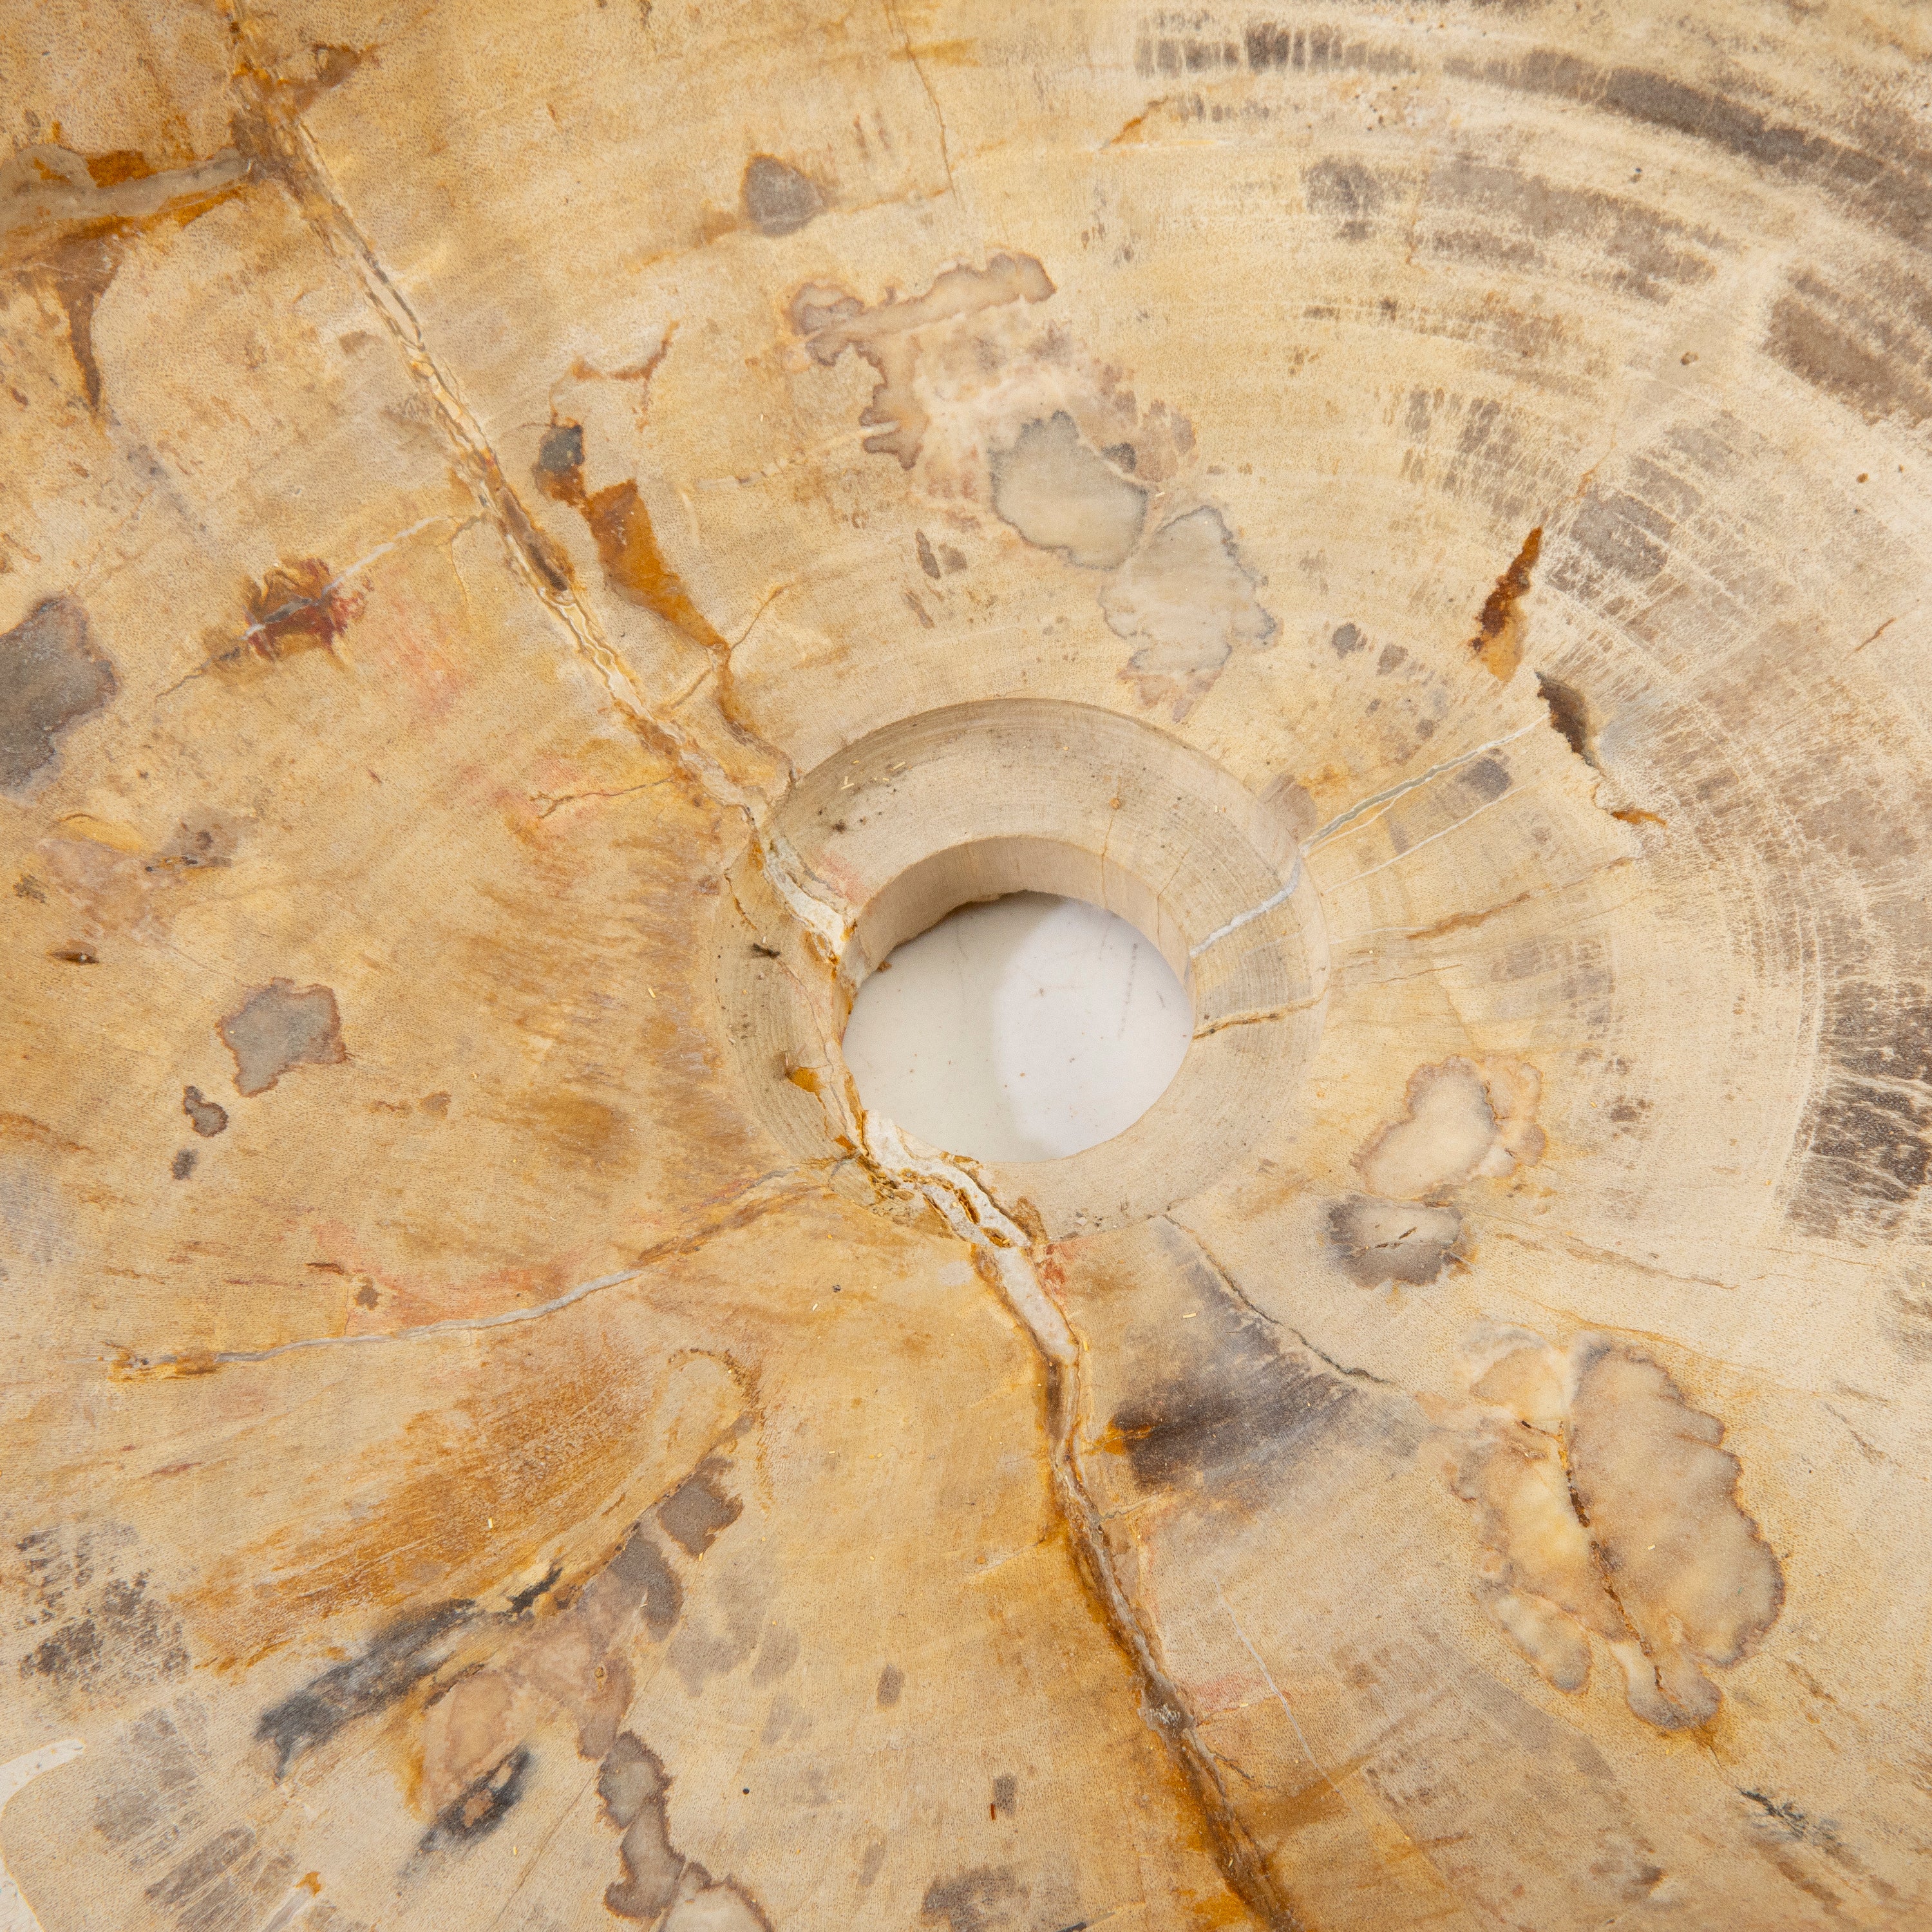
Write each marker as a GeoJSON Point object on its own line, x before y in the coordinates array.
{"type": "Point", "coordinates": [1000, 1241]}
{"type": "Point", "coordinates": [1609, 1257]}
{"type": "Point", "coordinates": [285, 144]}
{"type": "Point", "coordinates": [905, 45]}
{"type": "Point", "coordinates": [965, 1207]}
{"type": "Point", "coordinates": [1255, 1015]}
{"type": "Point", "coordinates": [1280, 897]}
{"type": "Point", "coordinates": [1235, 1288]}
{"type": "Point", "coordinates": [1390, 794]}
{"type": "Point", "coordinates": [821, 919]}
{"type": "Point", "coordinates": [1408, 851]}
{"type": "Point", "coordinates": [1004, 1251]}
{"type": "Point", "coordinates": [738, 1210]}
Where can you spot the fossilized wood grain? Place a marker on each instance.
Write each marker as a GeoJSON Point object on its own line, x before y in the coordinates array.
{"type": "Point", "coordinates": [493, 1434]}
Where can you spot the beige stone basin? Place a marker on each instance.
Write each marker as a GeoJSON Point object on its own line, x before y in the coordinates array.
{"type": "Point", "coordinates": [539, 540]}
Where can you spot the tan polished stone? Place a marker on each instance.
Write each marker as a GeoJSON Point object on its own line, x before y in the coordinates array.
{"type": "Point", "coordinates": [538, 541]}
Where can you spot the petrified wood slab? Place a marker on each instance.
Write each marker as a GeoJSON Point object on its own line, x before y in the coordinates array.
{"type": "Point", "coordinates": [538, 541]}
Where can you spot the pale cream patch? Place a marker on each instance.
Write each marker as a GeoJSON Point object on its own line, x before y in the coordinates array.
{"type": "Point", "coordinates": [966, 368]}
{"type": "Point", "coordinates": [1698, 1582]}
{"type": "Point", "coordinates": [1465, 1118]}
{"type": "Point", "coordinates": [1061, 495]}
{"type": "Point", "coordinates": [1606, 1508]}
{"type": "Point", "coordinates": [470, 1728]}
{"type": "Point", "coordinates": [119, 885]}
{"type": "Point", "coordinates": [708, 1906]}
{"type": "Point", "coordinates": [16, 1914]}
{"type": "Point", "coordinates": [1189, 600]}
{"type": "Point", "coordinates": [832, 321]}
{"type": "Point", "coordinates": [1513, 1091]}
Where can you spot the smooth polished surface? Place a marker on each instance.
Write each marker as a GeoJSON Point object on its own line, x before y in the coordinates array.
{"type": "Point", "coordinates": [539, 540]}
{"type": "Point", "coordinates": [1020, 1029]}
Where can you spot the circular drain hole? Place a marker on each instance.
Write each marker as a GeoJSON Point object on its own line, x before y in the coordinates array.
{"type": "Point", "coordinates": [1023, 1028]}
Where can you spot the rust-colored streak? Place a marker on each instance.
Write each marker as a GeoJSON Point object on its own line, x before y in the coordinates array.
{"type": "Point", "coordinates": [1499, 638]}
{"type": "Point", "coordinates": [64, 218]}
{"type": "Point", "coordinates": [634, 567]}
{"type": "Point", "coordinates": [118, 165]}
{"type": "Point", "coordinates": [277, 100]}
{"type": "Point", "coordinates": [297, 607]}
{"type": "Point", "coordinates": [581, 1432]}
{"type": "Point", "coordinates": [639, 372]}
{"type": "Point", "coordinates": [627, 544]}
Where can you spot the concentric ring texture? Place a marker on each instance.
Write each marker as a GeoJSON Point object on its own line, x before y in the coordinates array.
{"type": "Point", "coordinates": [538, 540]}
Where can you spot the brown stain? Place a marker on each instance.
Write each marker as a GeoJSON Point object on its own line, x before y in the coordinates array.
{"type": "Point", "coordinates": [1276, 1813]}
{"type": "Point", "coordinates": [977, 1900]}
{"type": "Point", "coordinates": [281, 1026]}
{"type": "Point", "coordinates": [521, 1476]}
{"type": "Point", "coordinates": [297, 607]}
{"type": "Point", "coordinates": [587, 1131]}
{"type": "Point", "coordinates": [1499, 629]}
{"type": "Point", "coordinates": [778, 198]}
{"type": "Point", "coordinates": [1347, 194]}
{"type": "Point", "coordinates": [1865, 354]}
{"type": "Point", "coordinates": [634, 562]}
{"type": "Point", "coordinates": [1498, 214]}
{"type": "Point", "coordinates": [1867, 1136]}
{"type": "Point", "coordinates": [68, 217]}
{"type": "Point", "coordinates": [554, 1650]}
{"type": "Point", "coordinates": [112, 1635]}
{"type": "Point", "coordinates": [1378, 1243]}
{"type": "Point", "coordinates": [273, 101]}
{"type": "Point", "coordinates": [1890, 191]}
{"type": "Point", "coordinates": [232, 1878]}
{"type": "Point", "coordinates": [127, 1366]}
{"type": "Point", "coordinates": [657, 1878]}
{"type": "Point", "coordinates": [700, 1508]}
{"type": "Point", "coordinates": [77, 270]}
{"type": "Point", "coordinates": [1569, 715]}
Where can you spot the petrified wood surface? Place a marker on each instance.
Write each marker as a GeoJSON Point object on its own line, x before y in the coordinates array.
{"type": "Point", "coordinates": [537, 540]}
